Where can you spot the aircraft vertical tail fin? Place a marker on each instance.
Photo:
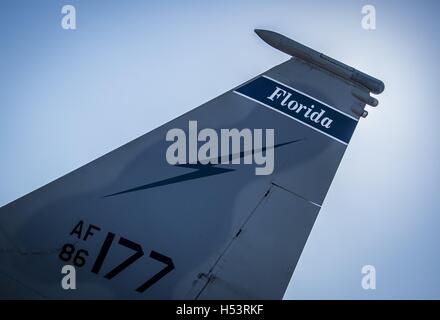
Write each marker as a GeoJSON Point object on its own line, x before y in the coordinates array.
{"type": "Point", "coordinates": [230, 223]}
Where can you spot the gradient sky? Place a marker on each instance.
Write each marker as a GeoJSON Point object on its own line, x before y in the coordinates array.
{"type": "Point", "coordinates": [68, 97]}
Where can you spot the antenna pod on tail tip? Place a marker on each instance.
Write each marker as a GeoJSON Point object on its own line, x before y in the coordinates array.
{"type": "Point", "coordinates": [309, 55]}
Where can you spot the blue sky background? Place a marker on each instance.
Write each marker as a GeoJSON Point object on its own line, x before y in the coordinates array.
{"type": "Point", "coordinates": [68, 97]}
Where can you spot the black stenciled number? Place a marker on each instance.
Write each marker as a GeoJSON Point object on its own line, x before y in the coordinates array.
{"type": "Point", "coordinates": [169, 266]}
{"type": "Point", "coordinates": [131, 245]}
{"type": "Point", "coordinates": [103, 252]}
{"type": "Point", "coordinates": [125, 264]}
{"type": "Point", "coordinates": [66, 252]}
{"type": "Point", "coordinates": [79, 259]}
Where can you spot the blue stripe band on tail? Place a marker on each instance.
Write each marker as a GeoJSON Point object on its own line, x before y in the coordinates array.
{"type": "Point", "coordinates": [301, 107]}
